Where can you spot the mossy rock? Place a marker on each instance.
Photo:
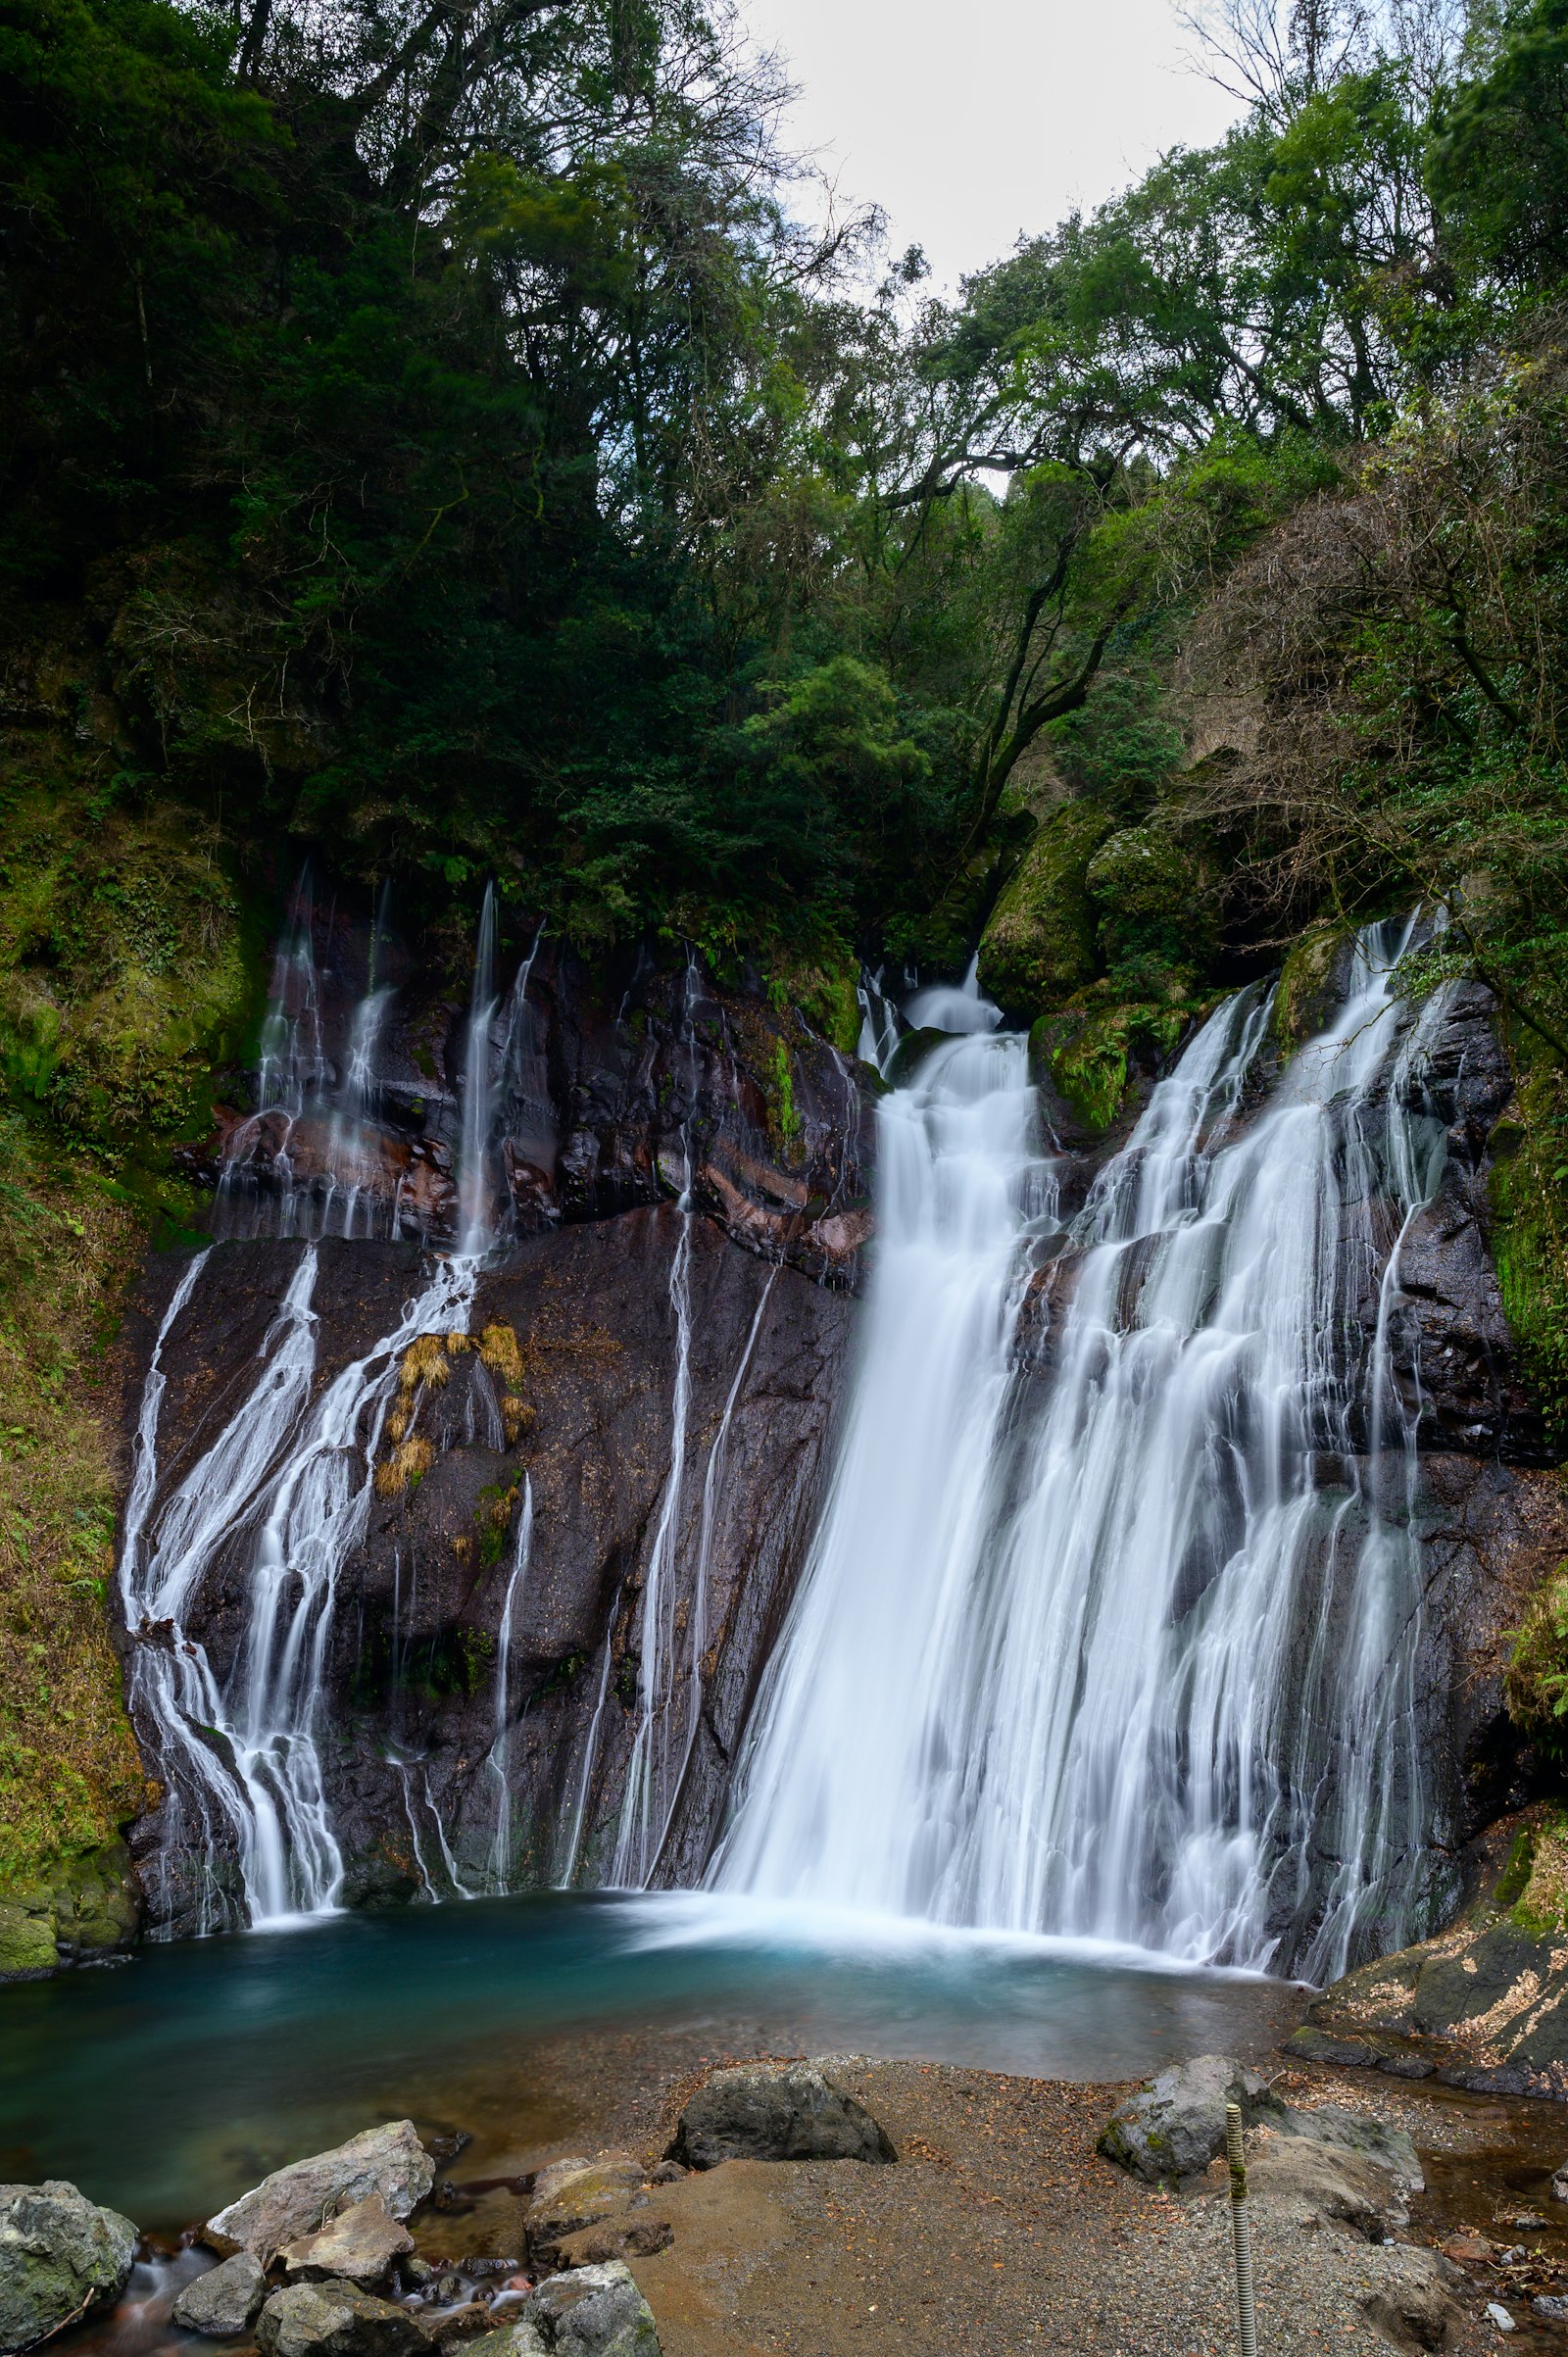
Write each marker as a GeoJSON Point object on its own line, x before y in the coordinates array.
{"type": "Point", "coordinates": [82, 1908]}
{"type": "Point", "coordinates": [1155, 899]}
{"type": "Point", "coordinates": [1086, 1053]}
{"type": "Point", "coordinates": [1042, 943]}
{"type": "Point", "coordinates": [1309, 986]}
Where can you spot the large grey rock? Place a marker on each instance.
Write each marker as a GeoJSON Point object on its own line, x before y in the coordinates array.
{"type": "Point", "coordinates": [574, 2193]}
{"type": "Point", "coordinates": [593, 2311]}
{"type": "Point", "coordinates": [61, 2256]}
{"type": "Point", "coordinates": [337, 2320]}
{"type": "Point", "coordinates": [775, 2112]}
{"type": "Point", "coordinates": [1358, 2132]}
{"type": "Point", "coordinates": [225, 2300]}
{"type": "Point", "coordinates": [1175, 2125]}
{"type": "Point", "coordinates": [300, 2199]}
{"type": "Point", "coordinates": [358, 2246]}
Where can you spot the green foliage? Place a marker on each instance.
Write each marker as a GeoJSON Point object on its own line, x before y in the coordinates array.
{"type": "Point", "coordinates": [1536, 1682]}
{"type": "Point", "coordinates": [1529, 1232]}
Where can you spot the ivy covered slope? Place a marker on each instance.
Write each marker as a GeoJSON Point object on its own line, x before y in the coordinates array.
{"type": "Point", "coordinates": [123, 979]}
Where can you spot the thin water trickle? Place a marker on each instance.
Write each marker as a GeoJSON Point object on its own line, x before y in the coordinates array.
{"type": "Point", "coordinates": [283, 1493]}
{"type": "Point", "coordinates": [522, 1552]}
{"type": "Point", "coordinates": [1094, 1653]}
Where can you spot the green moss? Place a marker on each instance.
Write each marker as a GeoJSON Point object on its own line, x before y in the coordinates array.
{"type": "Point", "coordinates": [1535, 1684]}
{"type": "Point", "coordinates": [823, 987]}
{"type": "Point", "coordinates": [1529, 1235]}
{"type": "Point", "coordinates": [782, 1094]}
{"type": "Point", "coordinates": [1042, 943]}
{"type": "Point", "coordinates": [128, 972]}
{"type": "Point", "coordinates": [1304, 1000]}
{"type": "Point", "coordinates": [1085, 1050]}
{"type": "Point", "coordinates": [1155, 900]}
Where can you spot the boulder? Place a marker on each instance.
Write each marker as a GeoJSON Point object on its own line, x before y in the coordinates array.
{"type": "Point", "coordinates": [1407, 2303]}
{"type": "Point", "coordinates": [225, 2300]}
{"type": "Point", "coordinates": [337, 2320]}
{"type": "Point", "coordinates": [593, 2311]}
{"type": "Point", "coordinates": [1175, 2125]}
{"type": "Point", "coordinates": [1357, 2132]}
{"type": "Point", "coordinates": [299, 2200]}
{"type": "Point", "coordinates": [575, 2193]}
{"type": "Point", "coordinates": [61, 2256]}
{"type": "Point", "coordinates": [775, 2112]}
{"type": "Point", "coordinates": [358, 2246]}
{"type": "Point", "coordinates": [1309, 2044]}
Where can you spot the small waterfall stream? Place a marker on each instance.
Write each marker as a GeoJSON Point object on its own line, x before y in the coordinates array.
{"type": "Point", "coordinates": [283, 1492]}
{"type": "Point", "coordinates": [1126, 1650]}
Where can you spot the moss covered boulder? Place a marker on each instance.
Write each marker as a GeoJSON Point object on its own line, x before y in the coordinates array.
{"type": "Point", "coordinates": [61, 2257]}
{"type": "Point", "coordinates": [1154, 899]}
{"type": "Point", "coordinates": [1087, 1052]}
{"type": "Point", "coordinates": [80, 1910]}
{"type": "Point", "coordinates": [1041, 944]}
{"type": "Point", "coordinates": [1311, 982]}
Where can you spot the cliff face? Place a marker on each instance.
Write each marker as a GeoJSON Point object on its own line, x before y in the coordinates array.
{"type": "Point", "coordinates": [426, 1729]}
{"type": "Point", "coordinates": [583, 1504]}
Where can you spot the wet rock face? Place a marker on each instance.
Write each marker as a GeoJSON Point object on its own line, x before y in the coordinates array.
{"type": "Point", "coordinates": [613, 1091]}
{"type": "Point", "coordinates": [550, 1439]}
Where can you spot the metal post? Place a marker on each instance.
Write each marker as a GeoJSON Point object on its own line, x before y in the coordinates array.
{"type": "Point", "coordinates": [1241, 2230]}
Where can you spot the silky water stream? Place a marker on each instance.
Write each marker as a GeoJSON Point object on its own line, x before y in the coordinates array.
{"type": "Point", "coordinates": [1094, 1709]}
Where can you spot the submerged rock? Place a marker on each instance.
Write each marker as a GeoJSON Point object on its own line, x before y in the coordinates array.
{"type": "Point", "coordinates": [574, 2193]}
{"type": "Point", "coordinates": [337, 2320]}
{"type": "Point", "coordinates": [360, 2245]}
{"type": "Point", "coordinates": [225, 2301]}
{"type": "Point", "coordinates": [61, 2256]}
{"type": "Point", "coordinates": [1175, 2125]}
{"type": "Point", "coordinates": [293, 2202]}
{"type": "Point", "coordinates": [775, 2112]}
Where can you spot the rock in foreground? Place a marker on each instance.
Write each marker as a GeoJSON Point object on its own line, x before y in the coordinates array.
{"type": "Point", "coordinates": [575, 2193]}
{"type": "Point", "coordinates": [61, 2256]}
{"type": "Point", "coordinates": [595, 2312]}
{"type": "Point", "coordinates": [225, 2301]}
{"type": "Point", "coordinates": [302, 2198]}
{"type": "Point", "coordinates": [358, 2246]}
{"type": "Point", "coordinates": [1174, 2126]}
{"type": "Point", "coordinates": [336, 2319]}
{"type": "Point", "coordinates": [775, 2112]}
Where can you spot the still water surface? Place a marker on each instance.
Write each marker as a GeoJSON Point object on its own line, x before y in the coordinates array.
{"type": "Point", "coordinates": [166, 2086]}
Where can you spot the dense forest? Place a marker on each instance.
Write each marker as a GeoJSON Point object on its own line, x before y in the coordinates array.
{"type": "Point", "coordinates": [456, 440]}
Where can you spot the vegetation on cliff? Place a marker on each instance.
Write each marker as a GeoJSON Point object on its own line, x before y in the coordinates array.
{"type": "Point", "coordinates": [435, 441]}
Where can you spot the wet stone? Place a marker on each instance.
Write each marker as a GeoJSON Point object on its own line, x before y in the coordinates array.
{"type": "Point", "coordinates": [775, 2112]}
{"type": "Point", "coordinates": [359, 2244]}
{"type": "Point", "coordinates": [61, 2256]}
{"type": "Point", "coordinates": [225, 2301]}
{"type": "Point", "coordinates": [388, 2162]}
{"type": "Point", "coordinates": [336, 2319]}
{"type": "Point", "coordinates": [574, 2193]}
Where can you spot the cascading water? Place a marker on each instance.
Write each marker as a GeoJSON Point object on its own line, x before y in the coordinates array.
{"type": "Point", "coordinates": [286, 1488]}
{"type": "Point", "coordinates": [304, 1163]}
{"type": "Point", "coordinates": [1133, 1660]}
{"type": "Point", "coordinates": [522, 1550]}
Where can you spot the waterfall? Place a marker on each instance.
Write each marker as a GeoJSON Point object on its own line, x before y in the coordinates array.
{"type": "Point", "coordinates": [649, 1778]}
{"type": "Point", "coordinates": [1124, 1649]}
{"type": "Point", "coordinates": [304, 1162]}
{"type": "Point", "coordinates": [474, 1194]}
{"type": "Point", "coordinates": [501, 1851]}
{"type": "Point", "coordinates": [282, 1495]}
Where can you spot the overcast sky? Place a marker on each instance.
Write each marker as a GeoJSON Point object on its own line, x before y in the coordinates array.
{"type": "Point", "coordinates": [972, 119]}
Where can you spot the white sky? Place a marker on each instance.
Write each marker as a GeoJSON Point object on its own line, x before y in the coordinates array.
{"type": "Point", "coordinates": [972, 119]}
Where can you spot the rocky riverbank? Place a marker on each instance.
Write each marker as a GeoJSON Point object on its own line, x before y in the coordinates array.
{"type": "Point", "coordinates": [878, 2208]}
